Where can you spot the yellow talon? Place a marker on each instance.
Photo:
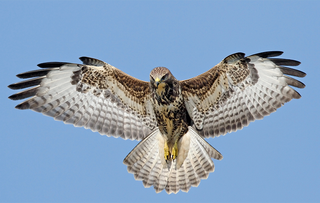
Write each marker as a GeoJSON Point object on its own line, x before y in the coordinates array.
{"type": "Point", "coordinates": [174, 153]}
{"type": "Point", "coordinates": [166, 151]}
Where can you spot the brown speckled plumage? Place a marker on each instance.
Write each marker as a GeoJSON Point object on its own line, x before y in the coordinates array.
{"type": "Point", "coordinates": [171, 117]}
{"type": "Point", "coordinates": [169, 107]}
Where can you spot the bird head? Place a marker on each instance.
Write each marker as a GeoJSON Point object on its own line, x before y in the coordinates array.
{"type": "Point", "coordinates": [160, 76]}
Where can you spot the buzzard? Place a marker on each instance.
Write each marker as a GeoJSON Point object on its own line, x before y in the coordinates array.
{"type": "Point", "coordinates": [171, 117]}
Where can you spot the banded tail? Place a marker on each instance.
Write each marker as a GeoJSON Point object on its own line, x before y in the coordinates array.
{"type": "Point", "coordinates": [146, 162]}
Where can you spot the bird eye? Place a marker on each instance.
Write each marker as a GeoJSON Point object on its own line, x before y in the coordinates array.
{"type": "Point", "coordinates": [164, 77]}
{"type": "Point", "coordinates": [151, 79]}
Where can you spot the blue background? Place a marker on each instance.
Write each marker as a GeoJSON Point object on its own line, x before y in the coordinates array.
{"type": "Point", "coordinates": [273, 160]}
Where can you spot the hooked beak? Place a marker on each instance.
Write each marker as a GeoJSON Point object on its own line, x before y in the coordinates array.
{"type": "Point", "coordinates": [158, 81]}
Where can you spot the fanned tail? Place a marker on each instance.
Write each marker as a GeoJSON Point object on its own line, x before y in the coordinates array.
{"type": "Point", "coordinates": [146, 162]}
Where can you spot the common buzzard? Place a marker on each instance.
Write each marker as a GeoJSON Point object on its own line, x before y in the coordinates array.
{"type": "Point", "coordinates": [171, 117]}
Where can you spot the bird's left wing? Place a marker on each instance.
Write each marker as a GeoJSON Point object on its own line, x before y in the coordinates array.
{"type": "Point", "coordinates": [239, 90]}
{"type": "Point", "coordinates": [94, 95]}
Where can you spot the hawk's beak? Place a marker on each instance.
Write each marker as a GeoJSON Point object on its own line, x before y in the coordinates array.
{"type": "Point", "coordinates": [158, 81]}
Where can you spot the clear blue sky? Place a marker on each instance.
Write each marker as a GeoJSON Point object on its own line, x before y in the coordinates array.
{"type": "Point", "coordinates": [273, 160]}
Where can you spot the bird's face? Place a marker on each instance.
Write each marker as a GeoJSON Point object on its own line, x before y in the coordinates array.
{"type": "Point", "coordinates": [159, 77]}
{"type": "Point", "coordinates": [161, 81]}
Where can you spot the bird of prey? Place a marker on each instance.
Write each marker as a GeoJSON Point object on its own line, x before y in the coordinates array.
{"type": "Point", "coordinates": [171, 117]}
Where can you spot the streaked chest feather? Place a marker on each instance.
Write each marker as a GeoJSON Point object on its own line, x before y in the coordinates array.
{"type": "Point", "coordinates": [171, 118]}
{"type": "Point", "coordinates": [161, 90]}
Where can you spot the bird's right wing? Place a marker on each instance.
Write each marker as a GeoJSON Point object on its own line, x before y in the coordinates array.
{"type": "Point", "coordinates": [94, 95]}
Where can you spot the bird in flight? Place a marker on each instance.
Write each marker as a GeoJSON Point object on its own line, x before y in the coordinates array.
{"type": "Point", "coordinates": [170, 116]}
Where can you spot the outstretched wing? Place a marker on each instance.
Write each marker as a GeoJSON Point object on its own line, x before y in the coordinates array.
{"type": "Point", "coordinates": [94, 95]}
{"type": "Point", "coordinates": [239, 90]}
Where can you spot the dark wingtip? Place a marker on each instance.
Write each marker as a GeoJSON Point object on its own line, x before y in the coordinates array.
{"type": "Point", "coordinates": [34, 73]}
{"type": "Point", "coordinates": [12, 86]}
{"type": "Point", "coordinates": [26, 83]}
{"type": "Point", "coordinates": [295, 83]}
{"type": "Point", "coordinates": [267, 54]}
{"type": "Point", "coordinates": [23, 106]}
{"type": "Point", "coordinates": [13, 97]}
{"type": "Point", "coordinates": [10, 97]}
{"type": "Point", "coordinates": [293, 72]}
{"type": "Point", "coordinates": [52, 64]}
{"type": "Point", "coordinates": [286, 62]}
{"type": "Point", "coordinates": [24, 94]}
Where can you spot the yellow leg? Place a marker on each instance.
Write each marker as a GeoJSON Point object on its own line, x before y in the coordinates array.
{"type": "Point", "coordinates": [166, 151]}
{"type": "Point", "coordinates": [174, 153]}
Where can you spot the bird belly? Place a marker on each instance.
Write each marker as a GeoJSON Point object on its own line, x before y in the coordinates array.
{"type": "Point", "coordinates": [171, 123]}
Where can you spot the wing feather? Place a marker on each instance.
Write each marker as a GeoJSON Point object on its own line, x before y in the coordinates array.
{"type": "Point", "coordinates": [240, 90]}
{"type": "Point", "coordinates": [94, 95]}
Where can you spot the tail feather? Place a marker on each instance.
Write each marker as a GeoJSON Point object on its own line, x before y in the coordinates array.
{"type": "Point", "coordinates": [192, 177]}
{"type": "Point", "coordinates": [149, 163]}
{"type": "Point", "coordinates": [183, 180]}
{"type": "Point", "coordinates": [146, 162]}
{"type": "Point", "coordinates": [142, 156]}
